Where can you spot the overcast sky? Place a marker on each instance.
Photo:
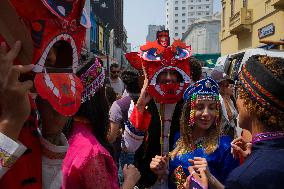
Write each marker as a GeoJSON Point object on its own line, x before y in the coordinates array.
{"type": "Point", "coordinates": [138, 14]}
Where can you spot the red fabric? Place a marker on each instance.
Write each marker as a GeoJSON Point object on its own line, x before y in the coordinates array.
{"type": "Point", "coordinates": [140, 121]}
{"type": "Point", "coordinates": [69, 89]}
{"type": "Point", "coordinates": [28, 166]}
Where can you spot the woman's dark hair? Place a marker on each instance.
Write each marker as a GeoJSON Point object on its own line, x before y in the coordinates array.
{"type": "Point", "coordinates": [195, 69]}
{"type": "Point", "coordinates": [130, 79]}
{"type": "Point", "coordinates": [96, 111]}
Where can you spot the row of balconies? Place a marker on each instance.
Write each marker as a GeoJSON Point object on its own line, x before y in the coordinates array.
{"type": "Point", "coordinates": [242, 20]}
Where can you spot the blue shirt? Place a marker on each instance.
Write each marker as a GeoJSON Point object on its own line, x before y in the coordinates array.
{"type": "Point", "coordinates": [220, 162]}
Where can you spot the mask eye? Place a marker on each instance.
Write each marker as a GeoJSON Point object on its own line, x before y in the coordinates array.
{"type": "Point", "coordinates": [152, 55]}
{"type": "Point", "coordinates": [181, 53]}
{"type": "Point", "coordinates": [60, 8]}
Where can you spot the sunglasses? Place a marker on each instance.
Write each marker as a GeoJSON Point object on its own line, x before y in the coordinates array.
{"type": "Point", "coordinates": [115, 71]}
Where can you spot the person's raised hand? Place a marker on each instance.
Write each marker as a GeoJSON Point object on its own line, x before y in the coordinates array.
{"type": "Point", "coordinates": [239, 147]}
{"type": "Point", "coordinates": [144, 97]}
{"type": "Point", "coordinates": [14, 99]}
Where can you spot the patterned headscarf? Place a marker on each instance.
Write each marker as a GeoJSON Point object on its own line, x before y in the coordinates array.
{"type": "Point", "coordinates": [205, 89]}
{"type": "Point", "coordinates": [92, 79]}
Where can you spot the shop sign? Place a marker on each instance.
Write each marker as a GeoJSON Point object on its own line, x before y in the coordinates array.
{"type": "Point", "coordinates": [266, 31]}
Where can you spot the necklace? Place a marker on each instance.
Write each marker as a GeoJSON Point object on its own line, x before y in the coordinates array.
{"type": "Point", "coordinates": [267, 136]}
{"type": "Point", "coordinates": [198, 143]}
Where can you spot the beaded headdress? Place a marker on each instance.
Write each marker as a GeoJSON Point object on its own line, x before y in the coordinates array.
{"type": "Point", "coordinates": [205, 89]}
{"type": "Point", "coordinates": [92, 79]}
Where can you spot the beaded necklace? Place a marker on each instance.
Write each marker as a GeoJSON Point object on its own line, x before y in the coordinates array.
{"type": "Point", "coordinates": [198, 143]}
{"type": "Point", "coordinates": [267, 136]}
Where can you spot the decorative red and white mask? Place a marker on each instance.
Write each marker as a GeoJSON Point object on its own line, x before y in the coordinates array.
{"type": "Point", "coordinates": [51, 21]}
{"type": "Point", "coordinates": [56, 27]}
{"type": "Point", "coordinates": [167, 69]}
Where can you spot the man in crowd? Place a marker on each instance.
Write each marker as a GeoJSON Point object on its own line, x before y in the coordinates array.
{"type": "Point", "coordinates": [143, 133]}
{"type": "Point", "coordinates": [119, 115]}
{"type": "Point", "coordinates": [115, 81]}
{"type": "Point", "coordinates": [32, 145]}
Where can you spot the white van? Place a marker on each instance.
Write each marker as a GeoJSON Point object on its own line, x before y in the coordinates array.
{"type": "Point", "coordinates": [231, 64]}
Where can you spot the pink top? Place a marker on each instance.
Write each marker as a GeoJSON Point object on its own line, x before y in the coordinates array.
{"type": "Point", "coordinates": [87, 163]}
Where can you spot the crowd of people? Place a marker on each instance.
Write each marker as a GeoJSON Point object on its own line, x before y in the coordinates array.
{"type": "Point", "coordinates": [158, 125]}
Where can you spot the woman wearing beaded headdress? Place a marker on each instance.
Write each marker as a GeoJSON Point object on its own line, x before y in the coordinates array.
{"type": "Point", "coordinates": [199, 143]}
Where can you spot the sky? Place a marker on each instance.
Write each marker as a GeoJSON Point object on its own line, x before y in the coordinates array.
{"type": "Point", "coordinates": [138, 14]}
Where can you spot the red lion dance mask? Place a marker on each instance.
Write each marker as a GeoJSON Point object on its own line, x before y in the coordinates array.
{"type": "Point", "coordinates": [157, 57]}
{"type": "Point", "coordinates": [49, 22]}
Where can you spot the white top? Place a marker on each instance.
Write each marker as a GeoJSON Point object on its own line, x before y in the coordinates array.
{"type": "Point", "coordinates": [51, 168]}
{"type": "Point", "coordinates": [117, 85]}
{"type": "Point", "coordinates": [225, 120]}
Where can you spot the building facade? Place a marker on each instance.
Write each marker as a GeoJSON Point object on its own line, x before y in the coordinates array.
{"type": "Point", "coordinates": [203, 35]}
{"type": "Point", "coordinates": [107, 35]}
{"type": "Point", "coordinates": [244, 23]}
{"type": "Point", "coordinates": [152, 31]}
{"type": "Point", "coordinates": [180, 14]}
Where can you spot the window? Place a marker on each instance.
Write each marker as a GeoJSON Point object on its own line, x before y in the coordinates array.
{"type": "Point", "coordinates": [183, 8]}
{"type": "Point", "coordinates": [232, 7]}
{"type": "Point", "coordinates": [183, 21]}
{"type": "Point", "coordinates": [176, 2]}
{"type": "Point", "coordinates": [199, 13]}
{"type": "Point", "coordinates": [223, 16]}
{"type": "Point", "coordinates": [183, 14]}
{"type": "Point", "coordinates": [176, 14]}
{"type": "Point", "coordinates": [207, 7]}
{"type": "Point", "coordinates": [192, 1]}
{"type": "Point", "coordinates": [176, 34]}
{"type": "Point", "coordinates": [245, 3]}
{"type": "Point", "coordinates": [183, 27]}
{"type": "Point", "coordinates": [199, 7]}
{"type": "Point", "coordinates": [183, 2]}
{"type": "Point", "coordinates": [176, 21]}
{"type": "Point", "coordinates": [199, 0]}
{"type": "Point", "coordinates": [191, 7]}
{"type": "Point", "coordinates": [207, 13]}
{"type": "Point", "coordinates": [176, 28]}
{"type": "Point", "coordinates": [176, 8]}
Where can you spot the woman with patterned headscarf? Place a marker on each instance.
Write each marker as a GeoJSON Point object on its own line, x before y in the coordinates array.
{"type": "Point", "coordinates": [199, 144]}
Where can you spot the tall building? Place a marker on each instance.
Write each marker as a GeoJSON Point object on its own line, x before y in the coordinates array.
{"type": "Point", "coordinates": [246, 23]}
{"type": "Point", "coordinates": [180, 14]}
{"type": "Point", "coordinates": [203, 35]}
{"type": "Point", "coordinates": [152, 31]}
